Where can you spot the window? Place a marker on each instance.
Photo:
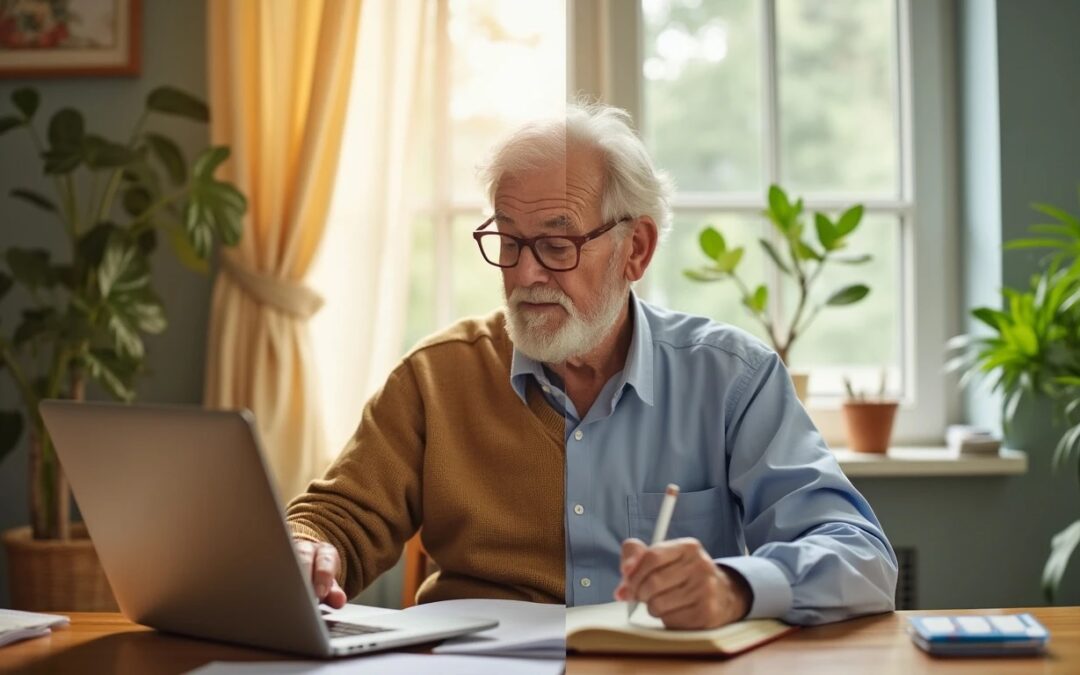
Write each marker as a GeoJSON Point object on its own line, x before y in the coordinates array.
{"type": "Point", "coordinates": [840, 102]}
{"type": "Point", "coordinates": [498, 63]}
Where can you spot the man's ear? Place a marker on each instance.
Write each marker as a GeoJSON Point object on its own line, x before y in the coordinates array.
{"type": "Point", "coordinates": [643, 241]}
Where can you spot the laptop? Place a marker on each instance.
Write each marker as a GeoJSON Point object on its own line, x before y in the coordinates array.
{"type": "Point", "coordinates": [192, 536]}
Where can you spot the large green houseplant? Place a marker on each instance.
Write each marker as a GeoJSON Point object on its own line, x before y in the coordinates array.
{"type": "Point", "coordinates": [1033, 351]}
{"type": "Point", "coordinates": [85, 312]}
{"type": "Point", "coordinates": [797, 257]}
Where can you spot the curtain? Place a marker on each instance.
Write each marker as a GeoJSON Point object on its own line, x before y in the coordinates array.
{"type": "Point", "coordinates": [280, 73]}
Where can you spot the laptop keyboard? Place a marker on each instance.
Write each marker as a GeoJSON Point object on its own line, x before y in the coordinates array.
{"type": "Point", "coordinates": [342, 629]}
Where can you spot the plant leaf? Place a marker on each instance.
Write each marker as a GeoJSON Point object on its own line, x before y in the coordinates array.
{"type": "Point", "coordinates": [9, 122]}
{"type": "Point", "coordinates": [852, 259]}
{"type": "Point", "coordinates": [757, 300]}
{"type": "Point", "coordinates": [849, 220]}
{"type": "Point", "coordinates": [1059, 215]}
{"type": "Point", "coordinates": [11, 427]}
{"type": "Point", "coordinates": [712, 242]}
{"type": "Point", "coordinates": [26, 100]}
{"type": "Point", "coordinates": [66, 130]}
{"type": "Point", "coordinates": [104, 154]}
{"type": "Point", "coordinates": [30, 267]}
{"type": "Point", "coordinates": [170, 156]}
{"type": "Point", "coordinates": [6, 283]}
{"type": "Point", "coordinates": [729, 260]}
{"type": "Point", "coordinates": [113, 372]}
{"type": "Point", "coordinates": [36, 198]}
{"type": "Point", "coordinates": [184, 251]}
{"type": "Point", "coordinates": [1062, 547]}
{"type": "Point", "coordinates": [826, 231]}
{"type": "Point", "coordinates": [136, 200]}
{"type": "Point", "coordinates": [64, 160]}
{"type": "Point", "coordinates": [804, 252]}
{"type": "Point", "coordinates": [777, 260]}
{"type": "Point", "coordinates": [209, 161]}
{"type": "Point", "coordinates": [848, 295]}
{"type": "Point", "coordinates": [173, 101]}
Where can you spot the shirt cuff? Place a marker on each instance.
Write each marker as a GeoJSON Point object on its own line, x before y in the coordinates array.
{"type": "Point", "coordinates": [769, 585]}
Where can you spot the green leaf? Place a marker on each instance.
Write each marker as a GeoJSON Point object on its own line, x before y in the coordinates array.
{"type": "Point", "coordinates": [852, 259]}
{"type": "Point", "coordinates": [9, 122]}
{"type": "Point", "coordinates": [703, 275]}
{"type": "Point", "coordinates": [804, 252]}
{"type": "Point", "coordinates": [30, 267]}
{"type": "Point", "coordinates": [209, 161]}
{"type": "Point", "coordinates": [6, 283]}
{"type": "Point", "coordinates": [848, 295]}
{"type": "Point", "coordinates": [36, 198]}
{"type": "Point", "coordinates": [170, 156]}
{"type": "Point", "coordinates": [104, 154]}
{"type": "Point", "coordinates": [91, 245]}
{"type": "Point", "coordinates": [11, 427]}
{"type": "Point", "coordinates": [172, 101]}
{"type": "Point", "coordinates": [712, 242]}
{"type": "Point", "coordinates": [757, 300]}
{"type": "Point", "coordinates": [826, 231]}
{"type": "Point", "coordinates": [61, 161]}
{"type": "Point", "coordinates": [136, 200]}
{"type": "Point", "coordinates": [66, 129]}
{"type": "Point", "coordinates": [36, 323]}
{"type": "Point", "coordinates": [141, 174]}
{"type": "Point", "coordinates": [1017, 244]}
{"type": "Point", "coordinates": [1060, 215]}
{"type": "Point", "coordinates": [779, 205]}
{"type": "Point", "coordinates": [777, 260]}
{"type": "Point", "coordinates": [729, 260]}
{"type": "Point", "coordinates": [122, 269]}
{"type": "Point", "coordinates": [1062, 547]}
{"type": "Point", "coordinates": [849, 220]}
{"type": "Point", "coordinates": [116, 374]}
{"type": "Point", "coordinates": [26, 100]}
{"type": "Point", "coordinates": [991, 317]}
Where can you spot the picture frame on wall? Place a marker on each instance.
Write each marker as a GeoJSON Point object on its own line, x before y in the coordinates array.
{"type": "Point", "coordinates": [69, 38]}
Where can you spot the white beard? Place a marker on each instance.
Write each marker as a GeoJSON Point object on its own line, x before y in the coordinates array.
{"type": "Point", "coordinates": [581, 332]}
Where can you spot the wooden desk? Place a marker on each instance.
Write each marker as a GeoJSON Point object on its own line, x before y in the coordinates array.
{"type": "Point", "coordinates": [108, 643]}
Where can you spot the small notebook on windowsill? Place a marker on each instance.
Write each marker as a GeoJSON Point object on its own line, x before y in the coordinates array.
{"type": "Point", "coordinates": [605, 629]}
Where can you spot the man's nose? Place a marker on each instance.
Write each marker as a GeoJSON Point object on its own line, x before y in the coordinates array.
{"type": "Point", "coordinates": [529, 271]}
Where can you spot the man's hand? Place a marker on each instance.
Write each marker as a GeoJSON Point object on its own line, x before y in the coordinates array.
{"type": "Point", "coordinates": [319, 562]}
{"type": "Point", "coordinates": [681, 585]}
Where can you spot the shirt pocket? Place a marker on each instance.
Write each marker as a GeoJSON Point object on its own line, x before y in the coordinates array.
{"type": "Point", "coordinates": [698, 514]}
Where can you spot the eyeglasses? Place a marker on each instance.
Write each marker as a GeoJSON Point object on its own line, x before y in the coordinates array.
{"type": "Point", "coordinates": [560, 253]}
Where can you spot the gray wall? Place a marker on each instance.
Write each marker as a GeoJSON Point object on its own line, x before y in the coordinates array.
{"type": "Point", "coordinates": [174, 53]}
{"type": "Point", "coordinates": [983, 541]}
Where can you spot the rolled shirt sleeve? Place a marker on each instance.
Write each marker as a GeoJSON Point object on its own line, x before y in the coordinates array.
{"type": "Point", "coordinates": [817, 552]}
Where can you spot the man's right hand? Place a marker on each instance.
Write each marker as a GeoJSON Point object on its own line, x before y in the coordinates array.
{"type": "Point", "coordinates": [320, 562]}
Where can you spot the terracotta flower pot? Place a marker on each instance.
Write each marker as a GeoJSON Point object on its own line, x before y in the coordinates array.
{"type": "Point", "coordinates": [868, 424]}
{"type": "Point", "coordinates": [52, 575]}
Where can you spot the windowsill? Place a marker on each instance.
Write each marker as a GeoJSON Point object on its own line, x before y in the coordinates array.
{"type": "Point", "coordinates": [910, 462]}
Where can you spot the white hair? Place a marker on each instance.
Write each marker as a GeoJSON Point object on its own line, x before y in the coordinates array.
{"type": "Point", "coordinates": [632, 185]}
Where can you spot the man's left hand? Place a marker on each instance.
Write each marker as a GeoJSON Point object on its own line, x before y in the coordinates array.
{"type": "Point", "coordinates": [681, 585]}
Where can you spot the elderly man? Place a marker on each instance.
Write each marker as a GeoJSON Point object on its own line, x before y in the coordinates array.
{"type": "Point", "coordinates": [532, 447]}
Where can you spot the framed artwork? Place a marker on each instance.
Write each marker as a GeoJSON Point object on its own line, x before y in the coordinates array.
{"type": "Point", "coordinates": [64, 38]}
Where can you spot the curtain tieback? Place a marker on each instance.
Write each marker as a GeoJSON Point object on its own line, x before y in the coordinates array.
{"type": "Point", "coordinates": [295, 299]}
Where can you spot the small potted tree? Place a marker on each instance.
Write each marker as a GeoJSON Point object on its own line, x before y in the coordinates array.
{"type": "Point", "coordinates": [796, 257]}
{"type": "Point", "coordinates": [84, 315]}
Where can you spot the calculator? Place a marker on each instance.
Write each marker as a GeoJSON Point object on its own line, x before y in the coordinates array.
{"type": "Point", "coordinates": [979, 635]}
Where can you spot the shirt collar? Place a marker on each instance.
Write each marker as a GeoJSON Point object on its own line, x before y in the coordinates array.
{"type": "Point", "coordinates": [637, 372]}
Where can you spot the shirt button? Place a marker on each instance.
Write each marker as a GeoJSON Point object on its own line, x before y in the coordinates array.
{"type": "Point", "coordinates": [578, 435]}
{"type": "Point", "coordinates": [579, 509]}
{"type": "Point", "coordinates": [586, 582]}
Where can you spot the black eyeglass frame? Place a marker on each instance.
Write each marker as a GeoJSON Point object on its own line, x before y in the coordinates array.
{"type": "Point", "coordinates": [577, 240]}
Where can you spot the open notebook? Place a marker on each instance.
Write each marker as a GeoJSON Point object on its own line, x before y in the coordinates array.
{"type": "Point", "coordinates": [605, 629]}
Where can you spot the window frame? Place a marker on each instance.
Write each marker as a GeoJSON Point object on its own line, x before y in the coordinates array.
{"type": "Point", "coordinates": [606, 47]}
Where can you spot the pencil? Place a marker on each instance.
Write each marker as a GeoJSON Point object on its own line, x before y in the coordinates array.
{"type": "Point", "coordinates": [660, 532]}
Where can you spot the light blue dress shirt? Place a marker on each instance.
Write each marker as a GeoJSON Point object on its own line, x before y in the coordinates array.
{"type": "Point", "coordinates": [710, 408]}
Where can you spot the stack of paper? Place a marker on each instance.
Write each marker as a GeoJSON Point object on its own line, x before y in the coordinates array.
{"type": "Point", "coordinates": [16, 625]}
{"type": "Point", "coordinates": [526, 629]}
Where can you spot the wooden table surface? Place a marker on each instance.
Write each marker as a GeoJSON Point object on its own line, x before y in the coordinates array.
{"type": "Point", "coordinates": [108, 643]}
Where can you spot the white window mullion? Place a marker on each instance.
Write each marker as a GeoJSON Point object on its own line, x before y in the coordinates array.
{"type": "Point", "coordinates": [770, 145]}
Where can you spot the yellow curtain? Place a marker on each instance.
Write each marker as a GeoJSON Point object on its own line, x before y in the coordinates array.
{"type": "Point", "coordinates": [279, 73]}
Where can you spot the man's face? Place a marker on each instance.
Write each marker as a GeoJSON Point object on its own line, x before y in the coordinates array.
{"type": "Point", "coordinates": [554, 316]}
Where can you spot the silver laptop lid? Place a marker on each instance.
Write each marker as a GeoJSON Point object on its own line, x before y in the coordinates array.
{"type": "Point", "coordinates": [187, 524]}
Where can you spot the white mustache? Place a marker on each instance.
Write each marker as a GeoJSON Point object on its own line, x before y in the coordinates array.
{"type": "Point", "coordinates": [539, 294]}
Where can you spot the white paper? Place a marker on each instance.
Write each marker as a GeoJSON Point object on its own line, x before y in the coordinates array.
{"type": "Point", "coordinates": [525, 628]}
{"type": "Point", "coordinates": [391, 664]}
{"type": "Point", "coordinates": [16, 625]}
{"type": "Point", "coordinates": [353, 613]}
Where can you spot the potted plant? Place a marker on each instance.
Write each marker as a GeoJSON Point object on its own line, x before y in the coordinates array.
{"type": "Point", "coordinates": [1032, 353]}
{"type": "Point", "coordinates": [868, 420]}
{"type": "Point", "coordinates": [84, 314]}
{"type": "Point", "coordinates": [796, 257]}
